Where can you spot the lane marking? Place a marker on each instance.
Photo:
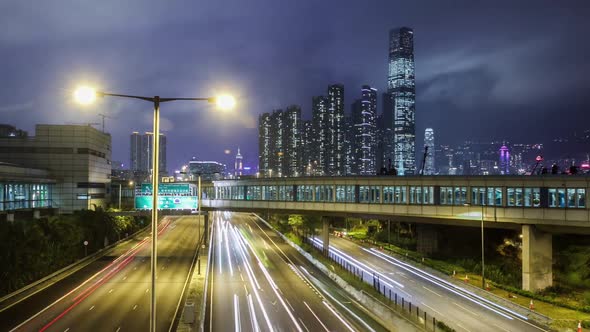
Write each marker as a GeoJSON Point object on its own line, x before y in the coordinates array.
{"type": "Point", "coordinates": [316, 317]}
{"type": "Point", "coordinates": [462, 307]}
{"type": "Point", "coordinates": [66, 330]}
{"type": "Point", "coordinates": [147, 290]}
{"type": "Point", "coordinates": [463, 327]}
{"type": "Point", "coordinates": [91, 308]}
{"type": "Point", "coordinates": [500, 327]}
{"type": "Point", "coordinates": [433, 292]}
{"type": "Point", "coordinates": [118, 329]}
{"type": "Point", "coordinates": [338, 316]}
{"type": "Point", "coordinates": [125, 277]}
{"type": "Point", "coordinates": [135, 307]}
{"type": "Point", "coordinates": [302, 323]}
{"type": "Point", "coordinates": [111, 291]}
{"type": "Point", "coordinates": [237, 313]}
{"type": "Point", "coordinates": [431, 308]}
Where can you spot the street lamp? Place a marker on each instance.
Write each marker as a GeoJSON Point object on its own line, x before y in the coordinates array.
{"type": "Point", "coordinates": [86, 95]}
{"type": "Point", "coordinates": [483, 267]}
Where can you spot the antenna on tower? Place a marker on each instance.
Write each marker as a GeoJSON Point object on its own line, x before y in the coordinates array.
{"type": "Point", "coordinates": [103, 117]}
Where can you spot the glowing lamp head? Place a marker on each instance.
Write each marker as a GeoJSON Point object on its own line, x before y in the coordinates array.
{"type": "Point", "coordinates": [225, 102]}
{"type": "Point", "coordinates": [85, 95]}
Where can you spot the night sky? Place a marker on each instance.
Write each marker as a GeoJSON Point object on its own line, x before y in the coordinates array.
{"type": "Point", "coordinates": [515, 70]}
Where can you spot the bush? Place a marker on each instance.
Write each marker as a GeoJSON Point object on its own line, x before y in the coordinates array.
{"type": "Point", "coordinates": [444, 327]}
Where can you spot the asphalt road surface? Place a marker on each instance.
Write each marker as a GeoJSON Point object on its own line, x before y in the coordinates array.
{"type": "Point", "coordinates": [116, 298]}
{"type": "Point", "coordinates": [259, 283]}
{"type": "Point", "coordinates": [456, 306]}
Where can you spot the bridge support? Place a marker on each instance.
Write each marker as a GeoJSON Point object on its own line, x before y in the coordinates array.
{"type": "Point", "coordinates": [426, 239]}
{"type": "Point", "coordinates": [326, 235]}
{"type": "Point", "coordinates": [537, 259]}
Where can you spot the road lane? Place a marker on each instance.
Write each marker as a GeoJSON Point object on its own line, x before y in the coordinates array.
{"type": "Point", "coordinates": [454, 305]}
{"type": "Point", "coordinates": [278, 286]}
{"type": "Point", "coordinates": [116, 299]}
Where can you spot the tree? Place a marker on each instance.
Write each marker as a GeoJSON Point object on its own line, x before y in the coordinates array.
{"type": "Point", "coordinates": [296, 222]}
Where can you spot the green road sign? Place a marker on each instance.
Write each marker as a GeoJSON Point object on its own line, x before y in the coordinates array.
{"type": "Point", "coordinates": [167, 202]}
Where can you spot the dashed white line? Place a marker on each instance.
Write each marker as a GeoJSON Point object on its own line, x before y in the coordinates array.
{"type": "Point", "coordinates": [91, 308]}
{"type": "Point", "coordinates": [66, 330]}
{"type": "Point", "coordinates": [431, 308]}
{"type": "Point", "coordinates": [118, 329]}
{"type": "Point", "coordinates": [462, 307]}
{"type": "Point", "coordinates": [463, 327]}
{"type": "Point", "coordinates": [125, 277]}
{"type": "Point", "coordinates": [135, 307]}
{"type": "Point", "coordinates": [111, 291]}
{"type": "Point", "coordinates": [302, 323]}
{"type": "Point", "coordinates": [147, 290]}
{"type": "Point", "coordinates": [500, 327]}
{"type": "Point", "coordinates": [433, 292]}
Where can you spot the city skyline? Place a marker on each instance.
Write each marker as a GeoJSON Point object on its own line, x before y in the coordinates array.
{"type": "Point", "coordinates": [483, 88]}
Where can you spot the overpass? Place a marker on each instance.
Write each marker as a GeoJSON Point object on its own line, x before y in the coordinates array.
{"type": "Point", "coordinates": [538, 205]}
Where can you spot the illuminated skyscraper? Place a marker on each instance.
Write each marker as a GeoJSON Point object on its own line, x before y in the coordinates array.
{"type": "Point", "coordinates": [239, 165]}
{"type": "Point", "coordinates": [336, 153]}
{"type": "Point", "coordinates": [402, 89]}
{"type": "Point", "coordinates": [365, 132]}
{"type": "Point", "coordinates": [321, 131]}
{"type": "Point", "coordinates": [429, 142]}
{"type": "Point", "coordinates": [504, 160]}
{"type": "Point", "coordinates": [264, 144]}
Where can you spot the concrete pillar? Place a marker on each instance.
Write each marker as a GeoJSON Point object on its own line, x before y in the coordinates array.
{"type": "Point", "coordinates": [326, 235]}
{"type": "Point", "coordinates": [537, 259]}
{"type": "Point", "coordinates": [426, 239]}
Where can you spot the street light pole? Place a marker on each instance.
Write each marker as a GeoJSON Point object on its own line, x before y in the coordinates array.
{"type": "Point", "coordinates": [86, 95]}
{"type": "Point", "coordinates": [155, 176]}
{"type": "Point", "coordinates": [483, 269]}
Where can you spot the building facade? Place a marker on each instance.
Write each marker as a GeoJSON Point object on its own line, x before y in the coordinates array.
{"type": "Point", "coordinates": [364, 115]}
{"type": "Point", "coordinates": [429, 168]}
{"type": "Point", "coordinates": [141, 152]}
{"type": "Point", "coordinates": [78, 157]}
{"type": "Point", "coordinates": [239, 165]}
{"type": "Point", "coordinates": [208, 170]}
{"type": "Point", "coordinates": [336, 152]}
{"type": "Point", "coordinates": [401, 87]}
{"type": "Point", "coordinates": [264, 144]}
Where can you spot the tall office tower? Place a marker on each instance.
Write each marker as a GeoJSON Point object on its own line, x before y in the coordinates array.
{"type": "Point", "coordinates": [504, 160]}
{"type": "Point", "coordinates": [239, 164]}
{"type": "Point", "coordinates": [141, 152]}
{"type": "Point", "coordinates": [308, 148]}
{"type": "Point", "coordinates": [364, 115]}
{"type": "Point", "coordinates": [276, 143]}
{"type": "Point", "coordinates": [385, 147]}
{"type": "Point", "coordinates": [321, 129]}
{"type": "Point", "coordinates": [349, 146]}
{"type": "Point", "coordinates": [292, 148]}
{"type": "Point", "coordinates": [264, 144]}
{"type": "Point", "coordinates": [136, 153]}
{"type": "Point", "coordinates": [336, 157]}
{"type": "Point", "coordinates": [429, 142]}
{"type": "Point", "coordinates": [147, 142]}
{"type": "Point", "coordinates": [402, 88]}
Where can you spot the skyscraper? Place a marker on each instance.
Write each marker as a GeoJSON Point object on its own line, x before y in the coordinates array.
{"type": "Point", "coordinates": [336, 153]}
{"type": "Point", "coordinates": [429, 142]}
{"type": "Point", "coordinates": [402, 89]}
{"type": "Point", "coordinates": [292, 139]}
{"type": "Point", "coordinates": [280, 142]}
{"type": "Point", "coordinates": [321, 128]}
{"type": "Point", "coordinates": [141, 152]}
{"type": "Point", "coordinates": [239, 165]}
{"type": "Point", "coordinates": [504, 160]}
{"type": "Point", "coordinates": [365, 139]}
{"type": "Point", "coordinates": [264, 143]}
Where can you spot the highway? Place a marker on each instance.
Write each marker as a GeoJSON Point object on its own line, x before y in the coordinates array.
{"type": "Point", "coordinates": [117, 298]}
{"type": "Point", "coordinates": [258, 282]}
{"type": "Point", "coordinates": [457, 307]}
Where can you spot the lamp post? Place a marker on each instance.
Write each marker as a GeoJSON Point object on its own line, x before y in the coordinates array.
{"type": "Point", "coordinates": [483, 266]}
{"type": "Point", "coordinates": [87, 95]}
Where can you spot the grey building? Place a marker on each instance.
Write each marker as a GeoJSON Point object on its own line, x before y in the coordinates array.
{"type": "Point", "coordinates": [141, 152]}
{"type": "Point", "coordinates": [322, 132]}
{"type": "Point", "coordinates": [336, 152]}
{"type": "Point", "coordinates": [292, 142]}
{"type": "Point", "coordinates": [7, 130]}
{"type": "Point", "coordinates": [264, 140]}
{"type": "Point", "coordinates": [78, 157]}
{"type": "Point", "coordinates": [364, 115]}
{"type": "Point", "coordinates": [429, 168]}
{"type": "Point", "coordinates": [402, 89]}
{"type": "Point", "coordinates": [208, 170]}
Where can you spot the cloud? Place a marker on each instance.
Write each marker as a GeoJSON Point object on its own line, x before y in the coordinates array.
{"type": "Point", "coordinates": [27, 106]}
